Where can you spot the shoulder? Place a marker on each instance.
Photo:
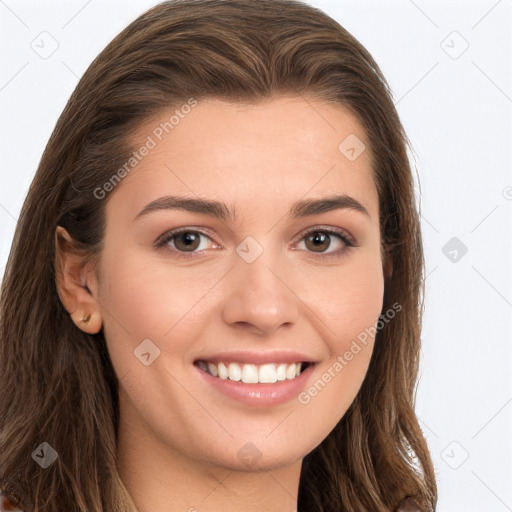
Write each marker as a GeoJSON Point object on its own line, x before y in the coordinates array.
{"type": "Point", "coordinates": [408, 505]}
{"type": "Point", "coordinates": [6, 505]}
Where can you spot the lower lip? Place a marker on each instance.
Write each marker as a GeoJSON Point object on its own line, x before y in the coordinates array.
{"type": "Point", "coordinates": [259, 395]}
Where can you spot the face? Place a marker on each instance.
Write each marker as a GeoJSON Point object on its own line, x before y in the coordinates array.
{"type": "Point", "coordinates": [206, 309]}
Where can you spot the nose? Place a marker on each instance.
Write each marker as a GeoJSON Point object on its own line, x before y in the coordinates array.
{"type": "Point", "coordinates": [260, 295]}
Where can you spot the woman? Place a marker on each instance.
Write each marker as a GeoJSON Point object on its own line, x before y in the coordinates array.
{"type": "Point", "coordinates": [214, 290]}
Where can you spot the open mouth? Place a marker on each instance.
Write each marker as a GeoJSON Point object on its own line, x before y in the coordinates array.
{"type": "Point", "coordinates": [267, 373]}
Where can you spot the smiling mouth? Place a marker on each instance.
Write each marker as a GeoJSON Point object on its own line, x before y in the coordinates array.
{"type": "Point", "coordinates": [268, 373]}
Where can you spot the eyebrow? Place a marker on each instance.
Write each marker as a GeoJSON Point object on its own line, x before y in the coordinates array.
{"type": "Point", "coordinates": [220, 210]}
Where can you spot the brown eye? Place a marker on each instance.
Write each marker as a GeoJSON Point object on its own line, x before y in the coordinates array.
{"type": "Point", "coordinates": [327, 243]}
{"type": "Point", "coordinates": [318, 241]}
{"type": "Point", "coordinates": [187, 241]}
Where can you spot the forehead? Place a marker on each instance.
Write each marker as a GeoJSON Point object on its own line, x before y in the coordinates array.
{"type": "Point", "coordinates": [283, 148]}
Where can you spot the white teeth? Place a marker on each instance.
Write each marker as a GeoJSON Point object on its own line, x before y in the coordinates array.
{"type": "Point", "coordinates": [251, 373]}
{"type": "Point", "coordinates": [234, 372]}
{"type": "Point", "coordinates": [267, 373]}
{"type": "Point", "coordinates": [223, 371]}
{"type": "Point", "coordinates": [281, 372]}
{"type": "Point", "coordinates": [291, 371]}
{"type": "Point", "coordinates": [213, 369]}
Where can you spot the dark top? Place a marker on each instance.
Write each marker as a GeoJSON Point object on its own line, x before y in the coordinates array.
{"type": "Point", "coordinates": [6, 505]}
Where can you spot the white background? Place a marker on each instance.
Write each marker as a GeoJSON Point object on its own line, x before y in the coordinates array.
{"type": "Point", "coordinates": [456, 106]}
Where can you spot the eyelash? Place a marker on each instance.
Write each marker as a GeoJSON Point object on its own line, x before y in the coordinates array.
{"type": "Point", "coordinates": [164, 240]}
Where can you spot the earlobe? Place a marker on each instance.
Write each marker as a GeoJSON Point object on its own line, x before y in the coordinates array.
{"type": "Point", "coordinates": [76, 284]}
{"type": "Point", "coordinates": [88, 322]}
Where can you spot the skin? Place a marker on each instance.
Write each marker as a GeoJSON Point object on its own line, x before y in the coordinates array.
{"type": "Point", "coordinates": [180, 439]}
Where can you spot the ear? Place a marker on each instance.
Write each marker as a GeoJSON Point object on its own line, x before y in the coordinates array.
{"type": "Point", "coordinates": [77, 284]}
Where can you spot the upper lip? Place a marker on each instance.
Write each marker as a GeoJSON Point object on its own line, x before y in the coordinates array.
{"type": "Point", "coordinates": [258, 357]}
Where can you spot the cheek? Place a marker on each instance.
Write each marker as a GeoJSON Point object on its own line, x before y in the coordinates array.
{"type": "Point", "coordinates": [361, 302]}
{"type": "Point", "coordinates": [350, 299]}
{"type": "Point", "coordinates": [151, 303]}
{"type": "Point", "coordinates": [350, 310]}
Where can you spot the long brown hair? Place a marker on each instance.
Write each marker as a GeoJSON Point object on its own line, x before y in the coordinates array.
{"type": "Point", "coordinates": [57, 382]}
